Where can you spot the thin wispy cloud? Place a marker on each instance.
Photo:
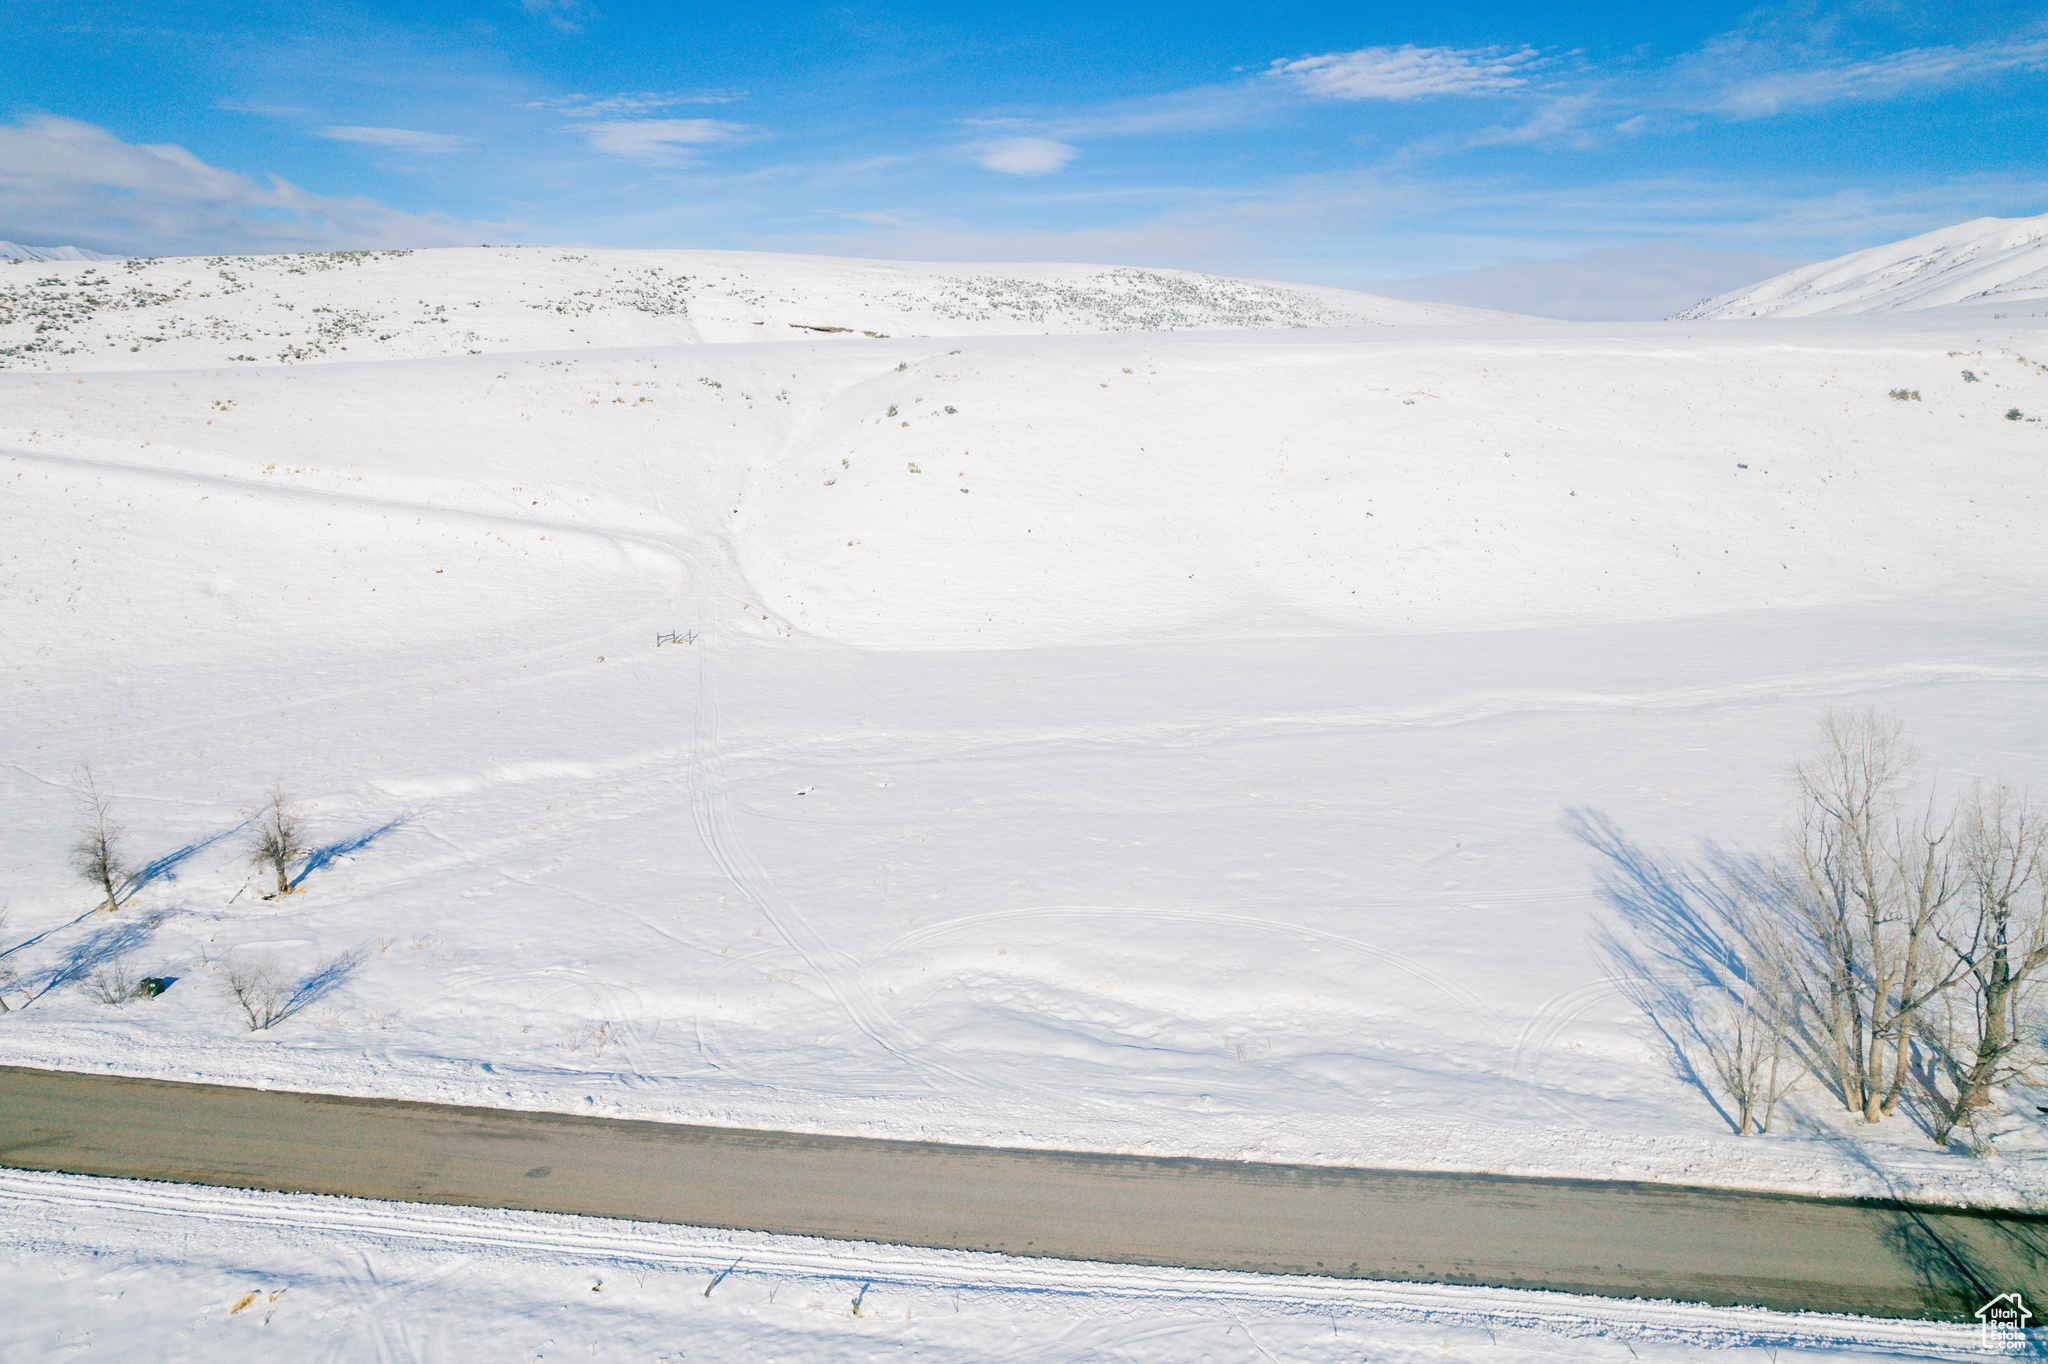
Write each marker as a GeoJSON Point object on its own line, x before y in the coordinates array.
{"type": "Point", "coordinates": [236, 106]}
{"type": "Point", "coordinates": [628, 105]}
{"type": "Point", "coordinates": [657, 141]}
{"type": "Point", "coordinates": [1762, 93]}
{"type": "Point", "coordinates": [1408, 72]}
{"type": "Point", "coordinates": [404, 139]}
{"type": "Point", "coordinates": [566, 16]}
{"type": "Point", "coordinates": [1026, 155]}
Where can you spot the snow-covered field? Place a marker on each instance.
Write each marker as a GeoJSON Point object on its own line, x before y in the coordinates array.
{"type": "Point", "coordinates": [1222, 742]}
{"type": "Point", "coordinates": [163, 1272]}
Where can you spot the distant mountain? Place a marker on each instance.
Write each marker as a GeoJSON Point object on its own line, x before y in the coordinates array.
{"type": "Point", "coordinates": [1986, 261]}
{"type": "Point", "coordinates": [15, 251]}
{"type": "Point", "coordinates": [382, 305]}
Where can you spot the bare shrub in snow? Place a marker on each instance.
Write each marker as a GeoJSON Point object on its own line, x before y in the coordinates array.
{"type": "Point", "coordinates": [256, 987]}
{"type": "Point", "coordinates": [280, 837]}
{"type": "Point", "coordinates": [266, 993]}
{"type": "Point", "coordinates": [114, 983]}
{"type": "Point", "coordinates": [96, 855]}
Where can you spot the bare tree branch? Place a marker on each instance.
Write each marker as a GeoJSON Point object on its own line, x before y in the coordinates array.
{"type": "Point", "coordinates": [96, 854]}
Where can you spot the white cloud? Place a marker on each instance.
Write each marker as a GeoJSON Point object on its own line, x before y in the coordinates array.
{"type": "Point", "coordinates": [665, 141]}
{"type": "Point", "coordinates": [629, 105]}
{"type": "Point", "coordinates": [405, 139]}
{"type": "Point", "coordinates": [556, 13]}
{"type": "Point", "coordinates": [63, 180]}
{"type": "Point", "coordinates": [1408, 72]}
{"type": "Point", "coordinates": [1026, 155]}
{"type": "Point", "coordinates": [1894, 73]}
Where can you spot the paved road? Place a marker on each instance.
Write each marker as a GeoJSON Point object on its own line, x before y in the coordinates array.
{"type": "Point", "coordinates": [1616, 1239]}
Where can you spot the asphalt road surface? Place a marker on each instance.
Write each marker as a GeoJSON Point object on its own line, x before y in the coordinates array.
{"type": "Point", "coordinates": [1577, 1236]}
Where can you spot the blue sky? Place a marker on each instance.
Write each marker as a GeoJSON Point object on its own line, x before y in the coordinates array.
{"type": "Point", "coordinates": [1602, 157]}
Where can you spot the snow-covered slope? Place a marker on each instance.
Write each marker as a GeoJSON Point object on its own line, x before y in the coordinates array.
{"type": "Point", "coordinates": [366, 305]}
{"type": "Point", "coordinates": [1982, 262]}
{"type": "Point", "coordinates": [1056, 737]}
{"type": "Point", "coordinates": [16, 251]}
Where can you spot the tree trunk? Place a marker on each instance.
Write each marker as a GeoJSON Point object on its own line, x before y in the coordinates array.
{"type": "Point", "coordinates": [284, 885]}
{"type": "Point", "coordinates": [1997, 1038]}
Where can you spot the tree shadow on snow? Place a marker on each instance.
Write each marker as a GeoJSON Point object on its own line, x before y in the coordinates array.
{"type": "Point", "coordinates": [1674, 943]}
{"type": "Point", "coordinates": [165, 867]}
{"type": "Point", "coordinates": [105, 944]}
{"type": "Point", "coordinates": [323, 980]}
{"type": "Point", "coordinates": [327, 854]}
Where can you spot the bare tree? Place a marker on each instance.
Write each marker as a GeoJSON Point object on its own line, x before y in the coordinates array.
{"type": "Point", "coordinates": [1999, 938]}
{"type": "Point", "coordinates": [280, 838]}
{"type": "Point", "coordinates": [1865, 886]}
{"type": "Point", "coordinates": [7, 973]}
{"type": "Point", "coordinates": [96, 854]}
{"type": "Point", "coordinates": [1758, 1006]}
{"type": "Point", "coordinates": [258, 987]}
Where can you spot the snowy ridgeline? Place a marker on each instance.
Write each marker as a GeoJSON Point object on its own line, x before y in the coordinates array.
{"type": "Point", "coordinates": [363, 305]}
{"type": "Point", "coordinates": [1984, 264]}
{"type": "Point", "coordinates": [16, 251]}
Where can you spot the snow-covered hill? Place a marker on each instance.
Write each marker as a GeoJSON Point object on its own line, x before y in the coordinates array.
{"type": "Point", "coordinates": [16, 251]}
{"type": "Point", "coordinates": [1985, 261]}
{"type": "Point", "coordinates": [368, 305]}
{"type": "Point", "coordinates": [988, 735]}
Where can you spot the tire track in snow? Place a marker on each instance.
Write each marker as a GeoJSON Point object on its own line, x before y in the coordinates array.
{"type": "Point", "coordinates": [711, 805]}
{"type": "Point", "coordinates": [1539, 1035]}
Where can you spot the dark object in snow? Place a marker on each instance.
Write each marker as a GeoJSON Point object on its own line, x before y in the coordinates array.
{"type": "Point", "coordinates": [149, 987]}
{"type": "Point", "coordinates": [2014, 414]}
{"type": "Point", "coordinates": [1970, 377]}
{"type": "Point", "coordinates": [808, 327]}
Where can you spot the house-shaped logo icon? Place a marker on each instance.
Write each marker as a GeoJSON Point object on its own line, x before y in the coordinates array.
{"type": "Point", "coordinates": [2002, 1322]}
